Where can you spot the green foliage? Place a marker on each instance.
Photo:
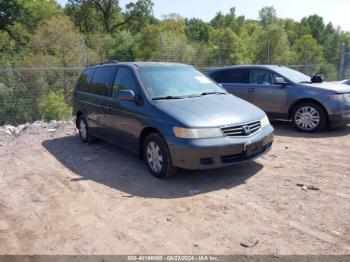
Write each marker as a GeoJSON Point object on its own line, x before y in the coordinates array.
{"type": "Point", "coordinates": [40, 34]}
{"type": "Point", "coordinates": [54, 107]}
{"type": "Point", "coordinates": [268, 15]}
{"type": "Point", "coordinates": [307, 49]}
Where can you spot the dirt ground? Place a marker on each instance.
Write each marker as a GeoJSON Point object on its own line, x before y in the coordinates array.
{"type": "Point", "coordinates": [58, 196]}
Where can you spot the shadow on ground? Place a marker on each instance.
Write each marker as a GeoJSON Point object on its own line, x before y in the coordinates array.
{"type": "Point", "coordinates": [285, 128]}
{"type": "Point", "coordinates": [117, 168]}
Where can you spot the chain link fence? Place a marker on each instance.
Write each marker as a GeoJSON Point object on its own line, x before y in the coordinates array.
{"type": "Point", "coordinates": [30, 94]}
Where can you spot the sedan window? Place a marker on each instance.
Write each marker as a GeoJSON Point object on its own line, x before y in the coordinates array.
{"type": "Point", "coordinates": [227, 76]}
{"type": "Point", "coordinates": [261, 77]}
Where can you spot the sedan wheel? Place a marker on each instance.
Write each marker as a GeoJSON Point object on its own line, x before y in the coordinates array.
{"type": "Point", "coordinates": [309, 117]}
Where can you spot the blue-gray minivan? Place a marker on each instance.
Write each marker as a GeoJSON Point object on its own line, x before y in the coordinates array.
{"type": "Point", "coordinates": [171, 115]}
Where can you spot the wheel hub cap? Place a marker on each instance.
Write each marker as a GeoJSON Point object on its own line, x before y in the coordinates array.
{"type": "Point", "coordinates": [307, 118]}
{"type": "Point", "coordinates": [82, 129]}
{"type": "Point", "coordinates": [154, 157]}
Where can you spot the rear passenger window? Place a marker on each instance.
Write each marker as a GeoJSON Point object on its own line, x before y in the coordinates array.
{"type": "Point", "coordinates": [239, 76]}
{"type": "Point", "coordinates": [124, 80]}
{"type": "Point", "coordinates": [84, 80]}
{"type": "Point", "coordinates": [102, 80]}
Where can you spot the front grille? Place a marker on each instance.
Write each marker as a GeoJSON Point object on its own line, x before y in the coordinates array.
{"type": "Point", "coordinates": [242, 130]}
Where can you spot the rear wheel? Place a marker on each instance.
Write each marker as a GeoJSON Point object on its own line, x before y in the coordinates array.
{"type": "Point", "coordinates": [309, 117]}
{"type": "Point", "coordinates": [84, 131]}
{"type": "Point", "coordinates": [157, 157]}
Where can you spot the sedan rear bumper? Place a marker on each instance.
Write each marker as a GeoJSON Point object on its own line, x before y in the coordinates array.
{"type": "Point", "coordinates": [218, 152]}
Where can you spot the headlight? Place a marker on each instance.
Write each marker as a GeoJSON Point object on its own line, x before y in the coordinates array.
{"type": "Point", "coordinates": [264, 122]}
{"type": "Point", "coordinates": [197, 133]}
{"type": "Point", "coordinates": [345, 98]}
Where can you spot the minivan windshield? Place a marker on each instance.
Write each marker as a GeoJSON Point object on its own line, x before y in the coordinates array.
{"type": "Point", "coordinates": [292, 75]}
{"type": "Point", "coordinates": [175, 82]}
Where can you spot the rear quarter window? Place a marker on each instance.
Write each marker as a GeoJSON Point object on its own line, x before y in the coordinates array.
{"type": "Point", "coordinates": [239, 76]}
{"type": "Point", "coordinates": [85, 80]}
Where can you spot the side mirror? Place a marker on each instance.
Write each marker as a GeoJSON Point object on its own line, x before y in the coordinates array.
{"type": "Point", "coordinates": [127, 95]}
{"type": "Point", "coordinates": [280, 81]}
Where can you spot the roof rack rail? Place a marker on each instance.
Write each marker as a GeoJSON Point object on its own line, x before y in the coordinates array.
{"type": "Point", "coordinates": [105, 62]}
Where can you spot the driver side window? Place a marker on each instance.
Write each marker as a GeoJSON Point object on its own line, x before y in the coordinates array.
{"type": "Point", "coordinates": [124, 80]}
{"type": "Point", "coordinates": [261, 77]}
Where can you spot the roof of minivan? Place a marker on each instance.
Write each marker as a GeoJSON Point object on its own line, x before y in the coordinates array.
{"type": "Point", "coordinates": [242, 66]}
{"type": "Point", "coordinates": [141, 64]}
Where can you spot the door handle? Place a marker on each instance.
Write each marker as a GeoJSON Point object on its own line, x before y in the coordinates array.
{"type": "Point", "coordinates": [109, 107]}
{"type": "Point", "coordinates": [251, 89]}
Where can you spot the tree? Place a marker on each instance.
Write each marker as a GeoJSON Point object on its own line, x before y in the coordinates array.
{"type": "Point", "coordinates": [271, 45]}
{"type": "Point", "coordinates": [197, 30]}
{"type": "Point", "coordinates": [308, 50]}
{"type": "Point", "coordinates": [55, 42]}
{"type": "Point", "coordinates": [227, 47]}
{"type": "Point", "coordinates": [316, 27]}
{"type": "Point", "coordinates": [229, 20]}
{"type": "Point", "coordinates": [111, 14]}
{"type": "Point", "coordinates": [267, 15]}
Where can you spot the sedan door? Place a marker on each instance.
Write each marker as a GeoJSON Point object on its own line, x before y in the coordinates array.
{"type": "Point", "coordinates": [235, 81]}
{"type": "Point", "coordinates": [264, 93]}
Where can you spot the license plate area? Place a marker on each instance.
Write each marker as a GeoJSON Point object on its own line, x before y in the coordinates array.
{"type": "Point", "coordinates": [251, 149]}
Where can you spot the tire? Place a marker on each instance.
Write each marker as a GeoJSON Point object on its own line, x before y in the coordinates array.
{"type": "Point", "coordinates": [84, 133]}
{"type": "Point", "coordinates": [157, 156]}
{"type": "Point", "coordinates": [309, 117]}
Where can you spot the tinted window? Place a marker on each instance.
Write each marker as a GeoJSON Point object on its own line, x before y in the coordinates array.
{"type": "Point", "coordinates": [85, 80]}
{"type": "Point", "coordinates": [261, 77]}
{"type": "Point", "coordinates": [124, 80]}
{"type": "Point", "coordinates": [239, 76]}
{"type": "Point", "coordinates": [102, 80]}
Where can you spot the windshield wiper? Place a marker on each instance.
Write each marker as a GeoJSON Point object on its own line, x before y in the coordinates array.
{"type": "Point", "coordinates": [167, 97]}
{"type": "Point", "coordinates": [212, 93]}
{"type": "Point", "coordinates": [305, 82]}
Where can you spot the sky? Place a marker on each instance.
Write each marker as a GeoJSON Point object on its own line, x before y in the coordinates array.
{"type": "Point", "coordinates": [335, 11]}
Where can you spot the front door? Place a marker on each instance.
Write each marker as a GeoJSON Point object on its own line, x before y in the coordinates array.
{"type": "Point", "coordinates": [264, 93]}
{"type": "Point", "coordinates": [123, 116]}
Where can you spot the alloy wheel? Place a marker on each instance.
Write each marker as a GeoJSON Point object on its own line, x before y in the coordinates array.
{"type": "Point", "coordinates": [307, 118]}
{"type": "Point", "coordinates": [154, 157]}
{"type": "Point", "coordinates": [82, 129]}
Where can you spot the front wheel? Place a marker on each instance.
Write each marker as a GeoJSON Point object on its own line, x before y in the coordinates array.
{"type": "Point", "coordinates": [309, 117]}
{"type": "Point", "coordinates": [157, 157]}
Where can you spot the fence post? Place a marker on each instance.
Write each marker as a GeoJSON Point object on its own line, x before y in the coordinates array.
{"type": "Point", "coordinates": [268, 52]}
{"type": "Point", "coordinates": [83, 51]}
{"type": "Point", "coordinates": [219, 54]}
{"type": "Point", "coordinates": [341, 61]}
{"type": "Point", "coordinates": [161, 46]}
{"type": "Point", "coordinates": [306, 60]}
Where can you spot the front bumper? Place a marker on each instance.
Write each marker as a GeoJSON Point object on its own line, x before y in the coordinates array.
{"type": "Point", "coordinates": [217, 152]}
{"type": "Point", "coordinates": [341, 119]}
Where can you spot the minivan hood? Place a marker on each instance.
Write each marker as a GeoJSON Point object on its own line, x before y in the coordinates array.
{"type": "Point", "coordinates": [210, 110]}
{"type": "Point", "coordinates": [331, 86]}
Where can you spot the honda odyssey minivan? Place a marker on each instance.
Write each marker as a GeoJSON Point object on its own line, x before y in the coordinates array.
{"type": "Point", "coordinates": [171, 115]}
